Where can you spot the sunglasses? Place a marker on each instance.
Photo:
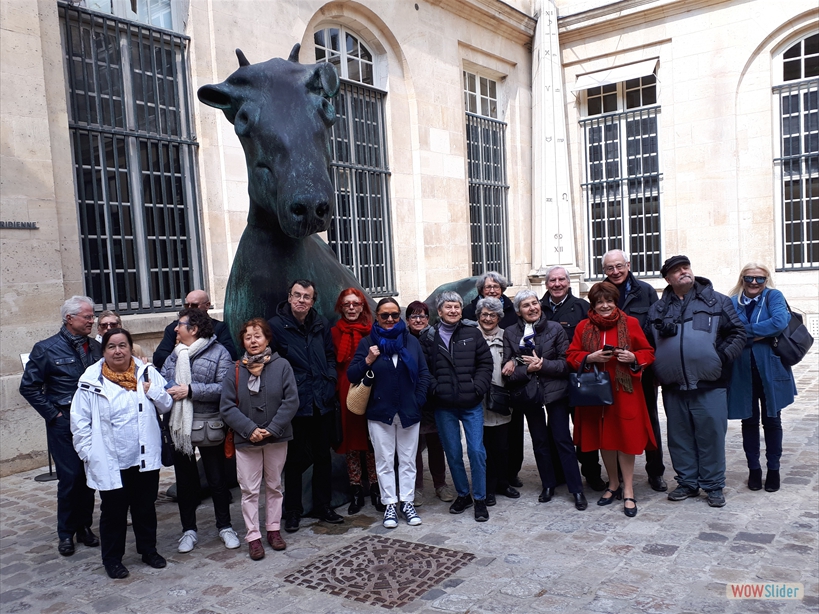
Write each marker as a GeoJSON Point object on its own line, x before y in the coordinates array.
{"type": "Point", "coordinates": [194, 305]}
{"type": "Point", "coordinates": [750, 279]}
{"type": "Point", "coordinates": [390, 315]}
{"type": "Point", "coordinates": [106, 325]}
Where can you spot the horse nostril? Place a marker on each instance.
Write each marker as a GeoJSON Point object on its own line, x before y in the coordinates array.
{"type": "Point", "coordinates": [299, 210]}
{"type": "Point", "coordinates": [322, 209]}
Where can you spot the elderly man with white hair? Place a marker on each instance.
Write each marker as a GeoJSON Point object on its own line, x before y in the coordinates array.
{"type": "Point", "coordinates": [49, 382]}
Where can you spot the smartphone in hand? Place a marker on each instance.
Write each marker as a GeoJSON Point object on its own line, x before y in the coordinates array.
{"type": "Point", "coordinates": [170, 384]}
{"type": "Point", "coordinates": [608, 348]}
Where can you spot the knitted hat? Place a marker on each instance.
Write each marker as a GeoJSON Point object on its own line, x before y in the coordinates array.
{"type": "Point", "coordinates": [669, 264]}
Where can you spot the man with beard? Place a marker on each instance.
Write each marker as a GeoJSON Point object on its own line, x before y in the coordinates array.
{"type": "Point", "coordinates": [697, 335]}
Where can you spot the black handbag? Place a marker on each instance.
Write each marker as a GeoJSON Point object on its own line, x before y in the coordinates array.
{"type": "Point", "coordinates": [794, 342]}
{"type": "Point", "coordinates": [589, 388]}
{"type": "Point", "coordinates": [167, 442]}
{"type": "Point", "coordinates": [498, 400]}
{"type": "Point", "coordinates": [526, 395]}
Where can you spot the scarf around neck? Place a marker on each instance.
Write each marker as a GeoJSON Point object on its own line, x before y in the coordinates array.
{"type": "Point", "coordinates": [78, 342]}
{"type": "Point", "coordinates": [182, 411]}
{"type": "Point", "coordinates": [351, 334]}
{"type": "Point", "coordinates": [394, 341]}
{"type": "Point", "coordinates": [126, 379]}
{"type": "Point", "coordinates": [591, 341]}
{"type": "Point", "coordinates": [254, 363]}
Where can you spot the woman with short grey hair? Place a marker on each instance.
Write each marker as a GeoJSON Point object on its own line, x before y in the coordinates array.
{"type": "Point", "coordinates": [496, 410]}
{"type": "Point", "coordinates": [448, 297]}
{"type": "Point", "coordinates": [492, 285]}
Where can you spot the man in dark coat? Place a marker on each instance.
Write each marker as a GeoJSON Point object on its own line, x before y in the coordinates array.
{"type": "Point", "coordinates": [561, 306]}
{"type": "Point", "coordinates": [460, 366]}
{"type": "Point", "coordinates": [697, 335]}
{"type": "Point", "coordinates": [492, 285]}
{"type": "Point", "coordinates": [196, 299]}
{"type": "Point", "coordinates": [636, 297]}
{"type": "Point", "coordinates": [302, 337]}
{"type": "Point", "coordinates": [49, 382]}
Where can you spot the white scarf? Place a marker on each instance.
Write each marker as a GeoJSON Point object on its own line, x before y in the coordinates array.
{"type": "Point", "coordinates": [182, 411]}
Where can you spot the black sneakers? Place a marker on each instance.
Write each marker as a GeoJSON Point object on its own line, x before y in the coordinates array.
{"type": "Point", "coordinates": [481, 513]}
{"type": "Point", "coordinates": [461, 503]}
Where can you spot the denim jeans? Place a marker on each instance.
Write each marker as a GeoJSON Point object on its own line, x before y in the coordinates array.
{"type": "Point", "coordinates": [449, 420]}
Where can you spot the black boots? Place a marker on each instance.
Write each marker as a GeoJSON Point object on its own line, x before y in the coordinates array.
{"type": "Point", "coordinates": [356, 499]}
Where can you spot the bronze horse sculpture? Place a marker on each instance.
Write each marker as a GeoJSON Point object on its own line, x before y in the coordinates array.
{"type": "Point", "coordinates": [282, 112]}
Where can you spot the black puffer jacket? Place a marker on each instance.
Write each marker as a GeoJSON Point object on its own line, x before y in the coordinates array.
{"type": "Point", "coordinates": [551, 344]}
{"type": "Point", "coordinates": [52, 372]}
{"type": "Point", "coordinates": [461, 375]}
{"type": "Point", "coordinates": [569, 314]}
{"type": "Point", "coordinates": [309, 349]}
{"type": "Point", "coordinates": [636, 301]}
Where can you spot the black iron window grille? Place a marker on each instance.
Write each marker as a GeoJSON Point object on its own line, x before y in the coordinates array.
{"type": "Point", "coordinates": [622, 183]}
{"type": "Point", "coordinates": [486, 164]}
{"type": "Point", "coordinates": [360, 232]}
{"type": "Point", "coordinates": [797, 166]}
{"type": "Point", "coordinates": [134, 160]}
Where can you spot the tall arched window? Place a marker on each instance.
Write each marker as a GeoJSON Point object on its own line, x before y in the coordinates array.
{"type": "Point", "coordinates": [360, 234]}
{"type": "Point", "coordinates": [798, 161]}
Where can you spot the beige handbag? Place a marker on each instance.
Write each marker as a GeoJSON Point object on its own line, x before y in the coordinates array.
{"type": "Point", "coordinates": [359, 394]}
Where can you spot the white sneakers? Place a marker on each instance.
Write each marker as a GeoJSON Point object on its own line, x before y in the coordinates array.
{"type": "Point", "coordinates": [390, 517]}
{"type": "Point", "coordinates": [187, 541]}
{"type": "Point", "coordinates": [229, 537]}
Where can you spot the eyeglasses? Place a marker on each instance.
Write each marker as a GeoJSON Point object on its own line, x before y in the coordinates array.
{"type": "Point", "coordinates": [491, 287]}
{"type": "Point", "coordinates": [419, 316]}
{"type": "Point", "coordinates": [298, 296]}
{"type": "Point", "coordinates": [751, 279]}
{"type": "Point", "coordinates": [614, 267]}
{"type": "Point", "coordinates": [185, 324]}
{"type": "Point", "coordinates": [489, 316]}
{"type": "Point", "coordinates": [86, 318]}
{"type": "Point", "coordinates": [355, 304]}
{"type": "Point", "coordinates": [389, 315]}
{"type": "Point", "coordinates": [107, 325]}
{"type": "Point", "coordinates": [195, 305]}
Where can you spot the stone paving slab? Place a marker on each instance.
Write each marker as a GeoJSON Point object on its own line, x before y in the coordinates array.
{"type": "Point", "coordinates": [530, 557]}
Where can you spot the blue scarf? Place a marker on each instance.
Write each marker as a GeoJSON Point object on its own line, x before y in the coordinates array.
{"type": "Point", "coordinates": [394, 341]}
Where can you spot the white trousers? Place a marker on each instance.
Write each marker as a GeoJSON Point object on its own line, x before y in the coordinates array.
{"type": "Point", "coordinates": [387, 440]}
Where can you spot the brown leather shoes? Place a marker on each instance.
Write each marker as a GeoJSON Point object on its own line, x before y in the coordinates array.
{"type": "Point", "coordinates": [256, 549]}
{"type": "Point", "coordinates": [274, 538]}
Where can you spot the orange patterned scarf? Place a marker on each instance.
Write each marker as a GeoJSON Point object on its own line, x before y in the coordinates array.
{"type": "Point", "coordinates": [126, 379]}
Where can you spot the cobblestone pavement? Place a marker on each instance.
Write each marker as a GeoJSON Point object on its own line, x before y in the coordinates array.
{"type": "Point", "coordinates": [529, 557]}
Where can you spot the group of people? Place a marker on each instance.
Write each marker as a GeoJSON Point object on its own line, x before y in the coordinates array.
{"type": "Point", "coordinates": [280, 404]}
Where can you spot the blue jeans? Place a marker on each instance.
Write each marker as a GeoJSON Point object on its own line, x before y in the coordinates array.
{"type": "Point", "coordinates": [771, 426]}
{"type": "Point", "coordinates": [449, 420]}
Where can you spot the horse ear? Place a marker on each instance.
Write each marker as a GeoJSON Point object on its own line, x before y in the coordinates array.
{"type": "Point", "coordinates": [242, 59]}
{"type": "Point", "coordinates": [219, 97]}
{"type": "Point", "coordinates": [324, 80]}
{"type": "Point", "coordinates": [294, 53]}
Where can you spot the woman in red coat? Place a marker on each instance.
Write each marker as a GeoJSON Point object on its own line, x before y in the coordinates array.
{"type": "Point", "coordinates": [355, 324]}
{"type": "Point", "coordinates": [621, 430]}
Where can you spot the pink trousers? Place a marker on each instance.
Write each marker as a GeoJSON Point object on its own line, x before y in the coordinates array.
{"type": "Point", "coordinates": [253, 462]}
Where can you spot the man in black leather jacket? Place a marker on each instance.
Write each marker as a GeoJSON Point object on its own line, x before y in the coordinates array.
{"type": "Point", "coordinates": [48, 384]}
{"type": "Point", "coordinates": [196, 299]}
{"type": "Point", "coordinates": [301, 335]}
{"type": "Point", "coordinates": [635, 299]}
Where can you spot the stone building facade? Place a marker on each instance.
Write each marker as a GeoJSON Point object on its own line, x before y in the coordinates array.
{"type": "Point", "coordinates": [472, 134]}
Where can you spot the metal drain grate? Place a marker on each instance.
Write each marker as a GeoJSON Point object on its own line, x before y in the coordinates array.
{"type": "Point", "coordinates": [379, 571]}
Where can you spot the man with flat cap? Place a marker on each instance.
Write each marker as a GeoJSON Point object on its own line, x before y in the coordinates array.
{"type": "Point", "coordinates": [697, 335]}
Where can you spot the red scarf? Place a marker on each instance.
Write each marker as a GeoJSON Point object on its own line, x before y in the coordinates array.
{"type": "Point", "coordinates": [591, 341]}
{"type": "Point", "coordinates": [351, 334]}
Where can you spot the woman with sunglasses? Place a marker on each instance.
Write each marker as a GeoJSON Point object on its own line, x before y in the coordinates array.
{"type": "Point", "coordinates": [110, 319]}
{"type": "Point", "coordinates": [417, 315]}
{"type": "Point", "coordinates": [759, 377]}
{"type": "Point", "coordinates": [395, 361]}
{"type": "Point", "coordinates": [354, 324]}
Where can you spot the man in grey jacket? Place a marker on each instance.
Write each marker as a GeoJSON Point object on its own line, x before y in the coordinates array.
{"type": "Point", "coordinates": [697, 335]}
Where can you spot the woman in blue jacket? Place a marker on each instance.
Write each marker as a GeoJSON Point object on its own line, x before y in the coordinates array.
{"type": "Point", "coordinates": [759, 377]}
{"type": "Point", "coordinates": [394, 360]}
